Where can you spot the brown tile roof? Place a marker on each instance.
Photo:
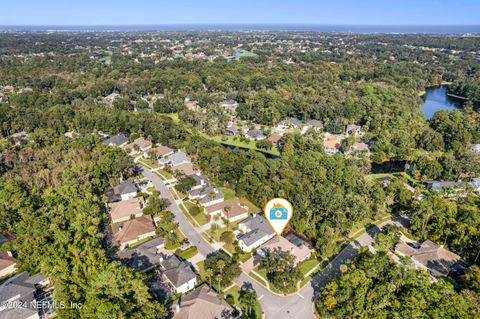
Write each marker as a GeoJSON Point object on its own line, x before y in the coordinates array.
{"type": "Point", "coordinates": [275, 138]}
{"type": "Point", "coordinates": [163, 150]}
{"type": "Point", "coordinates": [236, 208]}
{"type": "Point", "coordinates": [279, 242]}
{"type": "Point", "coordinates": [125, 208]}
{"type": "Point", "coordinates": [6, 260]}
{"type": "Point", "coordinates": [129, 230]}
{"type": "Point", "coordinates": [332, 143]}
{"type": "Point", "coordinates": [201, 303]}
{"type": "Point", "coordinates": [185, 168]}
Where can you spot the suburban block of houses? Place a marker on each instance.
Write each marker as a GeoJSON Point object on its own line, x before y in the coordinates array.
{"type": "Point", "coordinates": [231, 209]}
{"type": "Point", "coordinates": [255, 231]}
{"type": "Point", "coordinates": [178, 274]}
{"type": "Point", "coordinates": [22, 288]}
{"type": "Point", "coordinates": [201, 303]}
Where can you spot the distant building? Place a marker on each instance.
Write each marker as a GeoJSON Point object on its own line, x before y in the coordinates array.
{"type": "Point", "coordinates": [274, 139]}
{"type": "Point", "coordinates": [255, 135]}
{"type": "Point", "coordinates": [163, 151]}
{"type": "Point", "coordinates": [230, 105]}
{"type": "Point", "coordinates": [432, 257]}
{"type": "Point", "coordinates": [178, 274]}
{"type": "Point", "coordinates": [191, 105]}
{"type": "Point", "coordinates": [475, 183]}
{"type": "Point", "coordinates": [256, 231]}
{"type": "Point", "coordinates": [175, 159]}
{"type": "Point", "coordinates": [140, 144]}
{"type": "Point", "coordinates": [475, 148]}
{"type": "Point", "coordinates": [437, 186]}
{"type": "Point", "coordinates": [353, 130]}
{"type": "Point", "coordinates": [201, 303]}
{"type": "Point", "coordinates": [116, 140]}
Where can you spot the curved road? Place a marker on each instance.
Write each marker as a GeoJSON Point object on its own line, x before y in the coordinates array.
{"type": "Point", "coordinates": [299, 305]}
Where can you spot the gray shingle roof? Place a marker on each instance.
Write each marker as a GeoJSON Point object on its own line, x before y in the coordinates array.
{"type": "Point", "coordinates": [178, 272]}
{"type": "Point", "coordinates": [258, 228]}
{"type": "Point", "coordinates": [208, 199]}
{"type": "Point", "coordinates": [117, 140]}
{"type": "Point", "coordinates": [125, 187]}
{"type": "Point", "coordinates": [255, 134]}
{"type": "Point", "coordinates": [315, 123]}
{"type": "Point", "coordinates": [144, 256]}
{"type": "Point", "coordinates": [21, 285]}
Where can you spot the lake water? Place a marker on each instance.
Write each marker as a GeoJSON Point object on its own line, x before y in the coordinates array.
{"type": "Point", "coordinates": [436, 99]}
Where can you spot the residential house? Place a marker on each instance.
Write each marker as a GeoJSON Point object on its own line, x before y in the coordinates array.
{"type": "Point", "coordinates": [185, 168]}
{"type": "Point", "coordinates": [231, 131]}
{"type": "Point", "coordinates": [7, 264]}
{"type": "Point", "coordinates": [256, 231]}
{"type": "Point", "coordinates": [475, 183]}
{"type": "Point", "coordinates": [200, 181]}
{"type": "Point", "coordinates": [353, 130]}
{"type": "Point", "coordinates": [175, 159]}
{"type": "Point", "coordinates": [201, 303]}
{"type": "Point", "coordinates": [191, 105]}
{"type": "Point", "coordinates": [140, 144]}
{"type": "Point", "coordinates": [143, 257]}
{"type": "Point", "coordinates": [360, 147]}
{"type": "Point", "coordinates": [475, 148]}
{"type": "Point", "coordinates": [131, 231]}
{"type": "Point", "coordinates": [111, 97]}
{"type": "Point", "coordinates": [230, 105]}
{"type": "Point", "coordinates": [331, 143]}
{"type": "Point", "coordinates": [255, 135]}
{"type": "Point", "coordinates": [122, 191]}
{"type": "Point", "coordinates": [432, 257]}
{"type": "Point", "coordinates": [437, 186]}
{"type": "Point", "coordinates": [20, 137]}
{"type": "Point", "coordinates": [275, 138]}
{"type": "Point", "coordinates": [178, 274]}
{"type": "Point", "coordinates": [163, 151]}
{"type": "Point", "coordinates": [22, 289]}
{"type": "Point", "coordinates": [201, 192]}
{"type": "Point", "coordinates": [116, 140]}
{"type": "Point", "coordinates": [124, 210]}
{"type": "Point", "coordinates": [231, 209]}
{"type": "Point", "coordinates": [316, 125]}
{"type": "Point", "coordinates": [213, 197]}
{"type": "Point", "coordinates": [301, 251]}
{"type": "Point", "coordinates": [294, 123]}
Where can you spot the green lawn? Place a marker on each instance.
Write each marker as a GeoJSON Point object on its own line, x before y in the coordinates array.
{"type": "Point", "coordinates": [215, 234]}
{"type": "Point", "coordinates": [140, 242]}
{"type": "Point", "coordinates": [307, 265]}
{"type": "Point", "coordinates": [258, 278]}
{"type": "Point", "coordinates": [188, 253]}
{"type": "Point", "coordinates": [230, 140]}
{"type": "Point", "coordinates": [257, 309]}
{"type": "Point", "coordinates": [148, 162]}
{"type": "Point", "coordinates": [201, 218]}
{"type": "Point", "coordinates": [263, 273]}
{"type": "Point", "coordinates": [251, 207]}
{"type": "Point", "coordinates": [164, 173]}
{"type": "Point", "coordinates": [228, 193]}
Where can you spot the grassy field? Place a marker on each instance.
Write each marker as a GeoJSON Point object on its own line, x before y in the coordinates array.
{"type": "Point", "coordinates": [140, 242]}
{"type": "Point", "coordinates": [164, 173]}
{"type": "Point", "coordinates": [251, 207]}
{"type": "Point", "coordinates": [228, 193]}
{"type": "Point", "coordinates": [188, 253]}
{"type": "Point", "coordinates": [201, 218]}
{"type": "Point", "coordinates": [263, 273]}
{"type": "Point", "coordinates": [257, 309]}
{"type": "Point", "coordinates": [231, 140]}
{"type": "Point", "coordinates": [307, 265]}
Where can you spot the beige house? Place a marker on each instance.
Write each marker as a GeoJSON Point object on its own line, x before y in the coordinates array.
{"type": "Point", "coordinates": [301, 252]}
{"type": "Point", "coordinates": [430, 256]}
{"type": "Point", "coordinates": [230, 209]}
{"type": "Point", "coordinates": [140, 144]}
{"type": "Point", "coordinates": [201, 303]}
{"type": "Point", "coordinates": [125, 209]}
{"type": "Point", "coordinates": [7, 264]}
{"type": "Point", "coordinates": [131, 231]}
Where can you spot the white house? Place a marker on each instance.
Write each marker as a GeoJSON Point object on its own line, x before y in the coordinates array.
{"type": "Point", "coordinates": [256, 231]}
{"type": "Point", "coordinates": [178, 274]}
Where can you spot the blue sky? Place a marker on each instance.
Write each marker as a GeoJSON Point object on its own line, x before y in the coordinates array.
{"type": "Point", "coordinates": [124, 12]}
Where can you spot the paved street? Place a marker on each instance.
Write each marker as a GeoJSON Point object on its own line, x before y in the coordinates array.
{"type": "Point", "coordinates": [299, 305]}
{"type": "Point", "coordinates": [187, 229]}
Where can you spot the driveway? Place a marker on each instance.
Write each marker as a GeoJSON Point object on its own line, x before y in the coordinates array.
{"type": "Point", "coordinates": [187, 229]}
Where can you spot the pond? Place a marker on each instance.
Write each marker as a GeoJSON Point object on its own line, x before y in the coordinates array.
{"type": "Point", "coordinates": [436, 99]}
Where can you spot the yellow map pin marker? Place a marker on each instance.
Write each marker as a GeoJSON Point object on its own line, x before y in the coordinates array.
{"type": "Point", "coordinates": [278, 212]}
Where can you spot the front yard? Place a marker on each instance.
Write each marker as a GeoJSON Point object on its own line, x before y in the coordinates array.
{"type": "Point", "coordinates": [256, 312]}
